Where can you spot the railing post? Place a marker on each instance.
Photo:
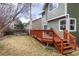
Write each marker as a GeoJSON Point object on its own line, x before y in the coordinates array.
{"type": "Point", "coordinates": [62, 47]}
{"type": "Point", "coordinates": [75, 45]}
{"type": "Point", "coordinates": [66, 34]}
{"type": "Point", "coordinates": [53, 36]}
{"type": "Point", "coordinates": [72, 41]}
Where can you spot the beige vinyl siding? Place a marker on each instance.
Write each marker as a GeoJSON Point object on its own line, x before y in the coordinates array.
{"type": "Point", "coordinates": [55, 25]}
{"type": "Point", "coordinates": [37, 24]}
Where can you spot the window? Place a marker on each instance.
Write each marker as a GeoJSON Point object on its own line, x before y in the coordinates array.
{"type": "Point", "coordinates": [45, 27]}
{"type": "Point", "coordinates": [52, 6]}
{"type": "Point", "coordinates": [62, 24]}
{"type": "Point", "coordinates": [72, 24]}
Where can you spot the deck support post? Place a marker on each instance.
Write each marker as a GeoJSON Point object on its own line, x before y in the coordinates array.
{"type": "Point", "coordinates": [68, 26]}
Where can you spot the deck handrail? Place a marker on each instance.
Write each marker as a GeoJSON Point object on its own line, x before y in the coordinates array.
{"type": "Point", "coordinates": [61, 40]}
{"type": "Point", "coordinates": [71, 38]}
{"type": "Point", "coordinates": [53, 34]}
{"type": "Point", "coordinates": [72, 41]}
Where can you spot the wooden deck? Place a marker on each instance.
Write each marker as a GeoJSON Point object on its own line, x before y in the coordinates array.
{"type": "Point", "coordinates": [50, 37]}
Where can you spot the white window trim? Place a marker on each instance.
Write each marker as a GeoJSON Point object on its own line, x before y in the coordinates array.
{"type": "Point", "coordinates": [59, 24]}
{"type": "Point", "coordinates": [54, 8]}
{"type": "Point", "coordinates": [69, 23]}
{"type": "Point", "coordinates": [74, 25]}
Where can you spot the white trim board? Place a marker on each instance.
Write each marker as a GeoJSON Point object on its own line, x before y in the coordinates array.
{"type": "Point", "coordinates": [65, 8]}
{"type": "Point", "coordinates": [54, 8]}
{"type": "Point", "coordinates": [57, 17]}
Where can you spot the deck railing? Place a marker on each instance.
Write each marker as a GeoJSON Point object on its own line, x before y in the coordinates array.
{"type": "Point", "coordinates": [51, 37]}
{"type": "Point", "coordinates": [72, 41]}
{"type": "Point", "coordinates": [71, 38]}
{"type": "Point", "coordinates": [55, 39]}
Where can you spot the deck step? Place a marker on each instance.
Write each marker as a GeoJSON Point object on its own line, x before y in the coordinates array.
{"type": "Point", "coordinates": [65, 41]}
{"type": "Point", "coordinates": [48, 41]}
{"type": "Point", "coordinates": [68, 51]}
{"type": "Point", "coordinates": [67, 47]}
{"type": "Point", "coordinates": [66, 44]}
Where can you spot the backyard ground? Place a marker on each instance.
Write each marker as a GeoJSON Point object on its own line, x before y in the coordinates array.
{"type": "Point", "coordinates": [26, 46]}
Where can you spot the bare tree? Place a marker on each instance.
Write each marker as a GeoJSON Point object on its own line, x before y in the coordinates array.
{"type": "Point", "coordinates": [30, 23]}
{"type": "Point", "coordinates": [10, 12]}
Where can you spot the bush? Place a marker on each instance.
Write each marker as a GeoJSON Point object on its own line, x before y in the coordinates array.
{"type": "Point", "coordinates": [20, 26]}
{"type": "Point", "coordinates": [9, 31]}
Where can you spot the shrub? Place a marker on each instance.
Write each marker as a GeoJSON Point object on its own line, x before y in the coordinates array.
{"type": "Point", "coordinates": [9, 31]}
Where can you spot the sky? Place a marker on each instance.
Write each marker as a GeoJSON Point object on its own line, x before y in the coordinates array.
{"type": "Point", "coordinates": [36, 10]}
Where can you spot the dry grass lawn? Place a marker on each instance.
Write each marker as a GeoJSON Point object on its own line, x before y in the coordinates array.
{"type": "Point", "coordinates": [26, 46]}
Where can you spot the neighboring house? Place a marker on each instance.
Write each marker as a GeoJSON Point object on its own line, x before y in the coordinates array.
{"type": "Point", "coordinates": [14, 23]}
{"type": "Point", "coordinates": [59, 16]}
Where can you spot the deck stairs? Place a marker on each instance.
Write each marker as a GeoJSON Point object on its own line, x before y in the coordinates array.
{"type": "Point", "coordinates": [63, 46]}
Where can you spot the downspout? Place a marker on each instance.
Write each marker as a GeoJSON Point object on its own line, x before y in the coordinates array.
{"type": "Point", "coordinates": [65, 8]}
{"type": "Point", "coordinates": [46, 17]}
{"type": "Point", "coordinates": [68, 25]}
{"type": "Point", "coordinates": [30, 23]}
{"type": "Point", "coordinates": [67, 21]}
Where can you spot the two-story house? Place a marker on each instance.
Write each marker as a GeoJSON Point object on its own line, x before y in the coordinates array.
{"type": "Point", "coordinates": [59, 16]}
